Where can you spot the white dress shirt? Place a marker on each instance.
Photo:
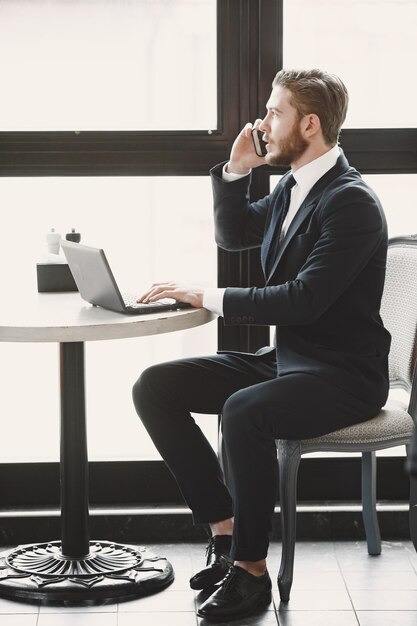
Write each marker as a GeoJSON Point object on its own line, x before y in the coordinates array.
{"type": "Point", "coordinates": [305, 178]}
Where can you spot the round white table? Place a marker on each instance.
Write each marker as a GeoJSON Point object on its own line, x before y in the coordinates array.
{"type": "Point", "coordinates": [77, 569]}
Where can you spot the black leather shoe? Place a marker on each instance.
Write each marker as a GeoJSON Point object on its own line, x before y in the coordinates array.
{"type": "Point", "coordinates": [217, 564]}
{"type": "Point", "coordinates": [240, 594]}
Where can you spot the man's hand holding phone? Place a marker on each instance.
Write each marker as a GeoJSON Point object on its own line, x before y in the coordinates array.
{"type": "Point", "coordinates": [258, 142]}
{"type": "Point", "coordinates": [243, 156]}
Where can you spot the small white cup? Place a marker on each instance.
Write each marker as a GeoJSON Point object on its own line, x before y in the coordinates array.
{"type": "Point", "coordinates": [53, 240]}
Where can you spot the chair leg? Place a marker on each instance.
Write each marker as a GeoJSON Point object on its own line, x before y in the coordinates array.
{"type": "Point", "coordinates": [289, 456]}
{"type": "Point", "coordinates": [412, 469]}
{"type": "Point", "coordinates": [370, 520]}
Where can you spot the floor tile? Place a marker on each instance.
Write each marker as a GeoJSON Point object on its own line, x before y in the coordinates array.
{"type": "Point", "coordinates": [98, 608]}
{"type": "Point", "coordinates": [19, 620]}
{"type": "Point", "coordinates": [317, 618]}
{"type": "Point", "coordinates": [353, 556]}
{"type": "Point", "coordinates": [409, 546]}
{"type": "Point", "coordinates": [11, 606]}
{"type": "Point", "coordinates": [318, 556]}
{"type": "Point", "coordinates": [330, 578]}
{"type": "Point", "coordinates": [179, 554]}
{"type": "Point", "coordinates": [391, 549]}
{"type": "Point", "coordinates": [315, 579]}
{"type": "Point", "coordinates": [78, 619]}
{"type": "Point", "coordinates": [313, 600]}
{"type": "Point", "coordinates": [374, 565]}
{"type": "Point", "coordinates": [164, 601]}
{"type": "Point", "coordinates": [411, 552]}
{"type": "Point", "coordinates": [380, 600]}
{"type": "Point", "coordinates": [387, 618]}
{"type": "Point", "coordinates": [314, 547]}
{"type": "Point", "coordinates": [381, 579]}
{"type": "Point", "coordinates": [182, 580]}
{"type": "Point", "coordinates": [157, 619]}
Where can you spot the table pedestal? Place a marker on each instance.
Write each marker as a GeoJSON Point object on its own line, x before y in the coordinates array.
{"type": "Point", "coordinates": [76, 569]}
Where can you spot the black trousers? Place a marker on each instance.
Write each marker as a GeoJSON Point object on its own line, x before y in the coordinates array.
{"type": "Point", "coordinates": [257, 407]}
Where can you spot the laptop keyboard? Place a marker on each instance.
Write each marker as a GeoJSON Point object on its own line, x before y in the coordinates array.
{"type": "Point", "coordinates": [130, 301]}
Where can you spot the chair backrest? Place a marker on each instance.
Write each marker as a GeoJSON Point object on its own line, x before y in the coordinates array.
{"type": "Point", "coordinates": [399, 308]}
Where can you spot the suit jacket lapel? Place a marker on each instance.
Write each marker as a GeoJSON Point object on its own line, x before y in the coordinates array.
{"type": "Point", "coordinates": [308, 205]}
{"type": "Point", "coordinates": [300, 216]}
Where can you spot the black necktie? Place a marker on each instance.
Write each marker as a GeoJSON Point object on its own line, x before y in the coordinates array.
{"type": "Point", "coordinates": [273, 236]}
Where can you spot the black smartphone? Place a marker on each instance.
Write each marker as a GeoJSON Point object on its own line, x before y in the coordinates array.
{"type": "Point", "coordinates": [258, 142]}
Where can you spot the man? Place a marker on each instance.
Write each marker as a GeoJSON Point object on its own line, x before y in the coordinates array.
{"type": "Point", "coordinates": [324, 265]}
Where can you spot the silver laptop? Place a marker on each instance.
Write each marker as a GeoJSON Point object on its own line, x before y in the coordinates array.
{"type": "Point", "coordinates": [97, 285]}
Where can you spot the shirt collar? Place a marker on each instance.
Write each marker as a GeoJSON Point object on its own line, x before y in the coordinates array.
{"type": "Point", "coordinates": [310, 173]}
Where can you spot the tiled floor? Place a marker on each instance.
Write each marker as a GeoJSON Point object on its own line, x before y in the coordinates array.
{"type": "Point", "coordinates": [335, 584]}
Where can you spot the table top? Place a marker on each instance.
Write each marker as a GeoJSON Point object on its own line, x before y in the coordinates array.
{"type": "Point", "coordinates": [65, 317]}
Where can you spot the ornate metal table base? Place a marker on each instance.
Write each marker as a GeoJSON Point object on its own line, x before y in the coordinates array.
{"type": "Point", "coordinates": [75, 569]}
{"type": "Point", "coordinates": [109, 571]}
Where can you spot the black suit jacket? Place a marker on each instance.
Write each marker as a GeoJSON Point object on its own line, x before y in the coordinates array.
{"type": "Point", "coordinates": [324, 291]}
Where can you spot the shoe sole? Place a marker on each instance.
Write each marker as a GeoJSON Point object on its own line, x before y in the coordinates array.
{"type": "Point", "coordinates": [264, 601]}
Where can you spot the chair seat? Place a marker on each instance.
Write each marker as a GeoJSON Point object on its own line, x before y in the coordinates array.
{"type": "Point", "coordinates": [392, 426]}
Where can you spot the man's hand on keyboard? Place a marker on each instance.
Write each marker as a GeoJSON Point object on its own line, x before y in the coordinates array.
{"type": "Point", "coordinates": [182, 293]}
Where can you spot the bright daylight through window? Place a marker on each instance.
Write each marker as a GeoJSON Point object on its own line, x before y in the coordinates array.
{"type": "Point", "coordinates": [108, 65]}
{"type": "Point", "coordinates": [105, 65]}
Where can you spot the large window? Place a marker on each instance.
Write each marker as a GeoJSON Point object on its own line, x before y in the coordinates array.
{"type": "Point", "coordinates": [108, 65]}
{"type": "Point", "coordinates": [108, 106]}
{"type": "Point", "coordinates": [112, 115]}
{"type": "Point", "coordinates": [397, 193]}
{"type": "Point", "coordinates": [103, 67]}
{"type": "Point", "coordinates": [368, 44]}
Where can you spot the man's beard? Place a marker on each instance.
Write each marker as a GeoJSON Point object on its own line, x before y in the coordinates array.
{"type": "Point", "coordinates": [289, 149]}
